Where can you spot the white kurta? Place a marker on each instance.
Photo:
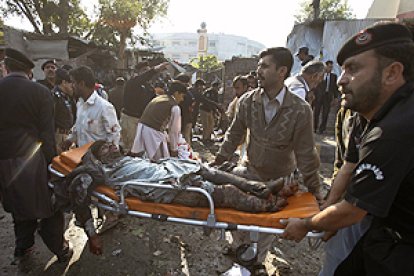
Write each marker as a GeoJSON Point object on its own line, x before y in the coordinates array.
{"type": "Point", "coordinates": [154, 143]}
{"type": "Point", "coordinates": [95, 120]}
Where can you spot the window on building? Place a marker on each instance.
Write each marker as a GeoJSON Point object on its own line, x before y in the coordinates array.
{"type": "Point", "coordinates": [192, 43]}
{"type": "Point", "coordinates": [176, 43]}
{"type": "Point", "coordinates": [212, 44]}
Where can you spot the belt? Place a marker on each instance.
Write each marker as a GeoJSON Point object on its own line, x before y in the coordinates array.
{"type": "Point", "coordinates": [62, 131]}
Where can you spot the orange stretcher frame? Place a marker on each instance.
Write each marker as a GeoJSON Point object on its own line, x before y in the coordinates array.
{"type": "Point", "coordinates": [299, 206]}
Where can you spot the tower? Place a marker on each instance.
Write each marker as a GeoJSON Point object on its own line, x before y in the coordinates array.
{"type": "Point", "coordinates": [202, 40]}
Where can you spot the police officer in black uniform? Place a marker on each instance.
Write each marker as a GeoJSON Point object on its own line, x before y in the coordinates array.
{"type": "Point", "coordinates": [378, 82]}
{"type": "Point", "coordinates": [65, 106]}
{"type": "Point", "coordinates": [27, 145]}
{"type": "Point", "coordinates": [49, 69]}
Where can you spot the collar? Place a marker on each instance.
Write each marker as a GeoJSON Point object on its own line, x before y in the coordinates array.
{"type": "Point", "coordinates": [17, 74]}
{"type": "Point", "coordinates": [305, 83]}
{"type": "Point", "coordinates": [405, 91]}
{"type": "Point", "coordinates": [279, 97]}
{"type": "Point", "coordinates": [92, 98]}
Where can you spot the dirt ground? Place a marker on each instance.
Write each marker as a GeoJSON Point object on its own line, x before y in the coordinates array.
{"type": "Point", "coordinates": [147, 247]}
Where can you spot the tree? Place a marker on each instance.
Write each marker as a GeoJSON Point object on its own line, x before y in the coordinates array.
{"type": "Point", "coordinates": [117, 18]}
{"type": "Point", "coordinates": [206, 63]}
{"type": "Point", "coordinates": [326, 9]}
{"type": "Point", "coordinates": [50, 16]}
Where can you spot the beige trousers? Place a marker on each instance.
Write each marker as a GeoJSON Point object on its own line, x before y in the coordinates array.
{"type": "Point", "coordinates": [242, 237]}
{"type": "Point", "coordinates": [128, 130]}
{"type": "Point", "coordinates": [207, 120]}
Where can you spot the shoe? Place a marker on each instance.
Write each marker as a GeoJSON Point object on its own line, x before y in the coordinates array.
{"type": "Point", "coordinates": [21, 255]}
{"type": "Point", "coordinates": [66, 254]}
{"type": "Point", "coordinates": [258, 270]}
{"type": "Point", "coordinates": [111, 220]}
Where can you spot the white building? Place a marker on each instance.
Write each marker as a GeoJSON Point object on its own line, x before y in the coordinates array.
{"type": "Point", "coordinates": [183, 46]}
{"type": "Point", "coordinates": [391, 9]}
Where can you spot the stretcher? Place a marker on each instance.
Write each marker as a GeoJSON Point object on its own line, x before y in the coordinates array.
{"type": "Point", "coordinates": [301, 205]}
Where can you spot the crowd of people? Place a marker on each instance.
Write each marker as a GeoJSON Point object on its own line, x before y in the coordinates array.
{"type": "Point", "coordinates": [273, 115]}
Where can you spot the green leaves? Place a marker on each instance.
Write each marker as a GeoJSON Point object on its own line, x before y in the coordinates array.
{"type": "Point", "coordinates": [206, 63]}
{"type": "Point", "coordinates": [329, 10]}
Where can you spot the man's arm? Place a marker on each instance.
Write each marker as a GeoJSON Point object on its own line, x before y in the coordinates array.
{"type": "Point", "coordinates": [340, 183]}
{"type": "Point", "coordinates": [334, 217]}
{"type": "Point", "coordinates": [111, 125]}
{"type": "Point", "coordinates": [174, 128]}
{"type": "Point", "coordinates": [149, 74]}
{"type": "Point", "coordinates": [46, 125]}
{"type": "Point", "coordinates": [305, 152]}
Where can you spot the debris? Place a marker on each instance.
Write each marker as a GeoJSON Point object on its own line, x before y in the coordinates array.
{"type": "Point", "coordinates": [116, 252]}
{"type": "Point", "coordinates": [157, 253]}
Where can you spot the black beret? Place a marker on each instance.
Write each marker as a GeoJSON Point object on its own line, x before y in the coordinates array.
{"type": "Point", "coordinates": [303, 50]}
{"type": "Point", "coordinates": [18, 57]}
{"type": "Point", "coordinates": [62, 74]}
{"type": "Point", "coordinates": [52, 61]}
{"type": "Point", "coordinates": [373, 37]}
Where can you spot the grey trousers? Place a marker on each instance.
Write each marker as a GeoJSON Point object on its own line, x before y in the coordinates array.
{"type": "Point", "coordinates": [242, 237]}
{"type": "Point", "coordinates": [340, 245]}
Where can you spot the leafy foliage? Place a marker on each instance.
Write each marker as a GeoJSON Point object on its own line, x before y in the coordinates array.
{"type": "Point", "coordinates": [329, 10]}
{"type": "Point", "coordinates": [206, 63]}
{"type": "Point", "coordinates": [50, 16]}
{"type": "Point", "coordinates": [117, 18]}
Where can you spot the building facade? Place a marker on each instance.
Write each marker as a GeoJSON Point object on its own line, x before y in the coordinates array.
{"type": "Point", "coordinates": [182, 47]}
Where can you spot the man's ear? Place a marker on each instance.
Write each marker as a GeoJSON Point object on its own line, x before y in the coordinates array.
{"type": "Point", "coordinates": [393, 73]}
{"type": "Point", "coordinates": [283, 71]}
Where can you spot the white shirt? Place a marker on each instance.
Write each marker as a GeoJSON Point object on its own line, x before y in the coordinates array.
{"type": "Point", "coordinates": [299, 90]}
{"type": "Point", "coordinates": [271, 106]}
{"type": "Point", "coordinates": [95, 120]}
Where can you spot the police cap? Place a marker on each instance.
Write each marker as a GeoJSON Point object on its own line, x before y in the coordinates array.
{"type": "Point", "coordinates": [373, 37]}
{"type": "Point", "coordinates": [50, 61]}
{"type": "Point", "coordinates": [304, 50]}
{"type": "Point", "coordinates": [18, 57]}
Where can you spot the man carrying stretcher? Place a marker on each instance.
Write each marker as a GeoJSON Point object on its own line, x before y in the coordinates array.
{"type": "Point", "coordinates": [104, 164]}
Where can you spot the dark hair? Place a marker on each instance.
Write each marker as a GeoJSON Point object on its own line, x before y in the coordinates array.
{"type": "Point", "coordinates": [176, 86]}
{"type": "Point", "coordinates": [401, 52]}
{"type": "Point", "coordinates": [96, 147]}
{"type": "Point", "coordinates": [85, 74]}
{"type": "Point", "coordinates": [61, 75]}
{"type": "Point", "coordinates": [199, 82]}
{"type": "Point", "coordinates": [183, 78]}
{"type": "Point", "coordinates": [329, 62]}
{"type": "Point", "coordinates": [281, 57]}
{"type": "Point", "coordinates": [67, 67]}
{"type": "Point", "coordinates": [240, 78]}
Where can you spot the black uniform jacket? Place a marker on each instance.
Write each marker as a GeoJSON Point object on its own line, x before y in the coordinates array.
{"type": "Point", "coordinates": [26, 146]}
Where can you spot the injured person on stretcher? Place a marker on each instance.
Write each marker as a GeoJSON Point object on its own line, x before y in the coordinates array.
{"type": "Point", "coordinates": [104, 163]}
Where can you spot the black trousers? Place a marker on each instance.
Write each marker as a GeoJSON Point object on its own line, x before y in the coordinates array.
{"type": "Point", "coordinates": [50, 229]}
{"type": "Point", "coordinates": [379, 253]}
{"type": "Point", "coordinates": [322, 103]}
